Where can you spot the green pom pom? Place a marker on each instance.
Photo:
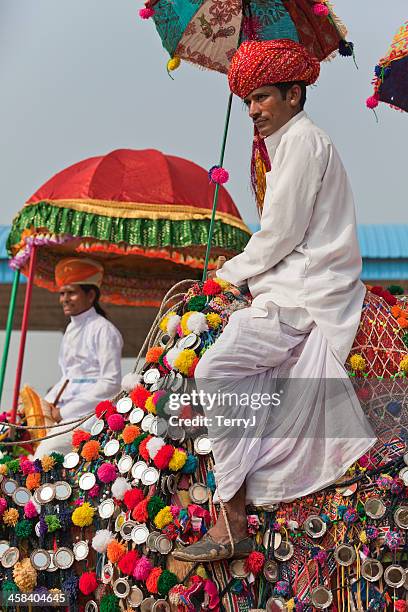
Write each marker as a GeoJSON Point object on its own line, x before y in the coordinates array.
{"type": "Point", "coordinates": [405, 339]}
{"type": "Point", "coordinates": [396, 290]}
{"type": "Point", "coordinates": [58, 458]}
{"type": "Point", "coordinates": [109, 603]}
{"type": "Point", "coordinates": [198, 302]}
{"type": "Point", "coordinates": [53, 522]}
{"type": "Point", "coordinates": [23, 529]}
{"type": "Point", "coordinates": [138, 440]}
{"type": "Point", "coordinates": [154, 506]}
{"type": "Point", "coordinates": [13, 465]}
{"type": "Point", "coordinates": [9, 586]}
{"type": "Point", "coordinates": [167, 580]}
{"type": "Point", "coordinates": [161, 404]}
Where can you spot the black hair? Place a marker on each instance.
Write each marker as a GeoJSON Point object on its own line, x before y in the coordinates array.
{"type": "Point", "coordinates": [96, 304]}
{"type": "Point", "coordinates": [285, 87]}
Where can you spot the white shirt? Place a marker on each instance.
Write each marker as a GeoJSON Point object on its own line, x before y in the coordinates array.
{"type": "Point", "coordinates": [90, 358]}
{"type": "Point", "coordinates": [306, 253]}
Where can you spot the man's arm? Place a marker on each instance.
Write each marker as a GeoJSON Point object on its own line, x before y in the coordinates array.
{"type": "Point", "coordinates": [292, 187]}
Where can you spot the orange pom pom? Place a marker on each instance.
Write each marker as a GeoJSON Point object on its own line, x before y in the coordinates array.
{"type": "Point", "coordinates": [33, 481]}
{"type": "Point", "coordinates": [140, 513]}
{"type": "Point", "coordinates": [90, 450]}
{"type": "Point", "coordinates": [402, 322]}
{"type": "Point", "coordinates": [79, 436]}
{"type": "Point", "coordinates": [115, 551]}
{"type": "Point", "coordinates": [130, 433]}
{"type": "Point", "coordinates": [396, 311]}
{"type": "Point", "coordinates": [153, 579]}
{"type": "Point", "coordinates": [153, 355]}
{"type": "Point", "coordinates": [143, 452]}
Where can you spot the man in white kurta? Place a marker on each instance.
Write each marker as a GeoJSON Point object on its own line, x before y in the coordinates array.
{"type": "Point", "coordinates": [90, 353]}
{"type": "Point", "coordinates": [302, 269]}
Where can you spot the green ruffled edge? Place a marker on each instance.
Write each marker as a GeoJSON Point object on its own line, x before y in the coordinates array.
{"type": "Point", "coordinates": [144, 233]}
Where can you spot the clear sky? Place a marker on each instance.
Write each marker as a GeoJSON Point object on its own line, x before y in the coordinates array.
{"type": "Point", "coordinates": [82, 77]}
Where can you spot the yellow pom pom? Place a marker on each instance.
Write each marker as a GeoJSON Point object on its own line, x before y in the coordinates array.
{"type": "Point", "coordinates": [363, 537]}
{"type": "Point", "coordinates": [200, 571]}
{"type": "Point", "coordinates": [184, 361]}
{"type": "Point", "coordinates": [47, 463]}
{"type": "Point", "coordinates": [213, 320]}
{"type": "Point", "coordinates": [183, 322]}
{"type": "Point", "coordinates": [163, 518]}
{"type": "Point", "coordinates": [404, 364]}
{"type": "Point", "coordinates": [25, 575]}
{"type": "Point", "coordinates": [178, 460]}
{"type": "Point", "coordinates": [149, 405]}
{"type": "Point", "coordinates": [357, 362]}
{"type": "Point", "coordinates": [222, 283]}
{"type": "Point", "coordinates": [83, 515]}
{"type": "Point", "coordinates": [173, 63]}
{"type": "Point", "coordinates": [10, 517]}
{"type": "Point", "coordinates": [3, 469]}
{"type": "Point", "coordinates": [290, 605]}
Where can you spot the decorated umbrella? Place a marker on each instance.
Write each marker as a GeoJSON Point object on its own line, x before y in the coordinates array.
{"type": "Point", "coordinates": [391, 74]}
{"type": "Point", "coordinates": [208, 32]}
{"type": "Point", "coordinates": [144, 214]}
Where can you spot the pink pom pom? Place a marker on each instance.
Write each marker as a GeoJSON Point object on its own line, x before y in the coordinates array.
{"type": "Point", "coordinates": [146, 13]}
{"type": "Point", "coordinates": [116, 422]}
{"type": "Point", "coordinates": [321, 10]}
{"type": "Point", "coordinates": [107, 472]}
{"type": "Point", "coordinates": [27, 467]}
{"type": "Point", "coordinates": [142, 568]}
{"type": "Point", "coordinates": [94, 492]}
{"type": "Point", "coordinates": [30, 511]}
{"type": "Point", "coordinates": [3, 505]}
{"type": "Point", "coordinates": [157, 395]}
{"type": "Point", "coordinates": [218, 175]}
{"type": "Point", "coordinates": [373, 101]}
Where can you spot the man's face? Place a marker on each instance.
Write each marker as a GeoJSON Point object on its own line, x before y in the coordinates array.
{"type": "Point", "coordinates": [75, 300]}
{"type": "Point", "coordinates": [269, 111]}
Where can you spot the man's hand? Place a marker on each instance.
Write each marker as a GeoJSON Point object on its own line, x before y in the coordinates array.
{"type": "Point", "coordinates": [55, 413]}
{"type": "Point", "coordinates": [220, 262]}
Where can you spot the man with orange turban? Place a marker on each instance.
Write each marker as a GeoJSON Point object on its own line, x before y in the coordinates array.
{"type": "Point", "coordinates": [90, 354]}
{"type": "Point", "coordinates": [302, 268]}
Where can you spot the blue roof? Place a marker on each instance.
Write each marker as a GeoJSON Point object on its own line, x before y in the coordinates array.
{"type": "Point", "coordinates": [384, 249]}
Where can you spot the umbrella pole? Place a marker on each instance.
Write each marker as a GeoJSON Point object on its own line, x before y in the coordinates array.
{"type": "Point", "coordinates": [217, 188]}
{"type": "Point", "coordinates": [24, 326]}
{"type": "Point", "coordinates": [9, 327]}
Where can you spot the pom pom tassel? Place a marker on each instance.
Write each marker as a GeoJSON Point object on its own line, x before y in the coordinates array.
{"type": "Point", "coordinates": [173, 64]}
{"type": "Point", "coordinates": [372, 104]}
{"type": "Point", "coordinates": [218, 175]}
{"type": "Point", "coordinates": [146, 13]}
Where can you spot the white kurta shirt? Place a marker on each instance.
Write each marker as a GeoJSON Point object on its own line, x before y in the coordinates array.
{"type": "Point", "coordinates": [90, 358]}
{"type": "Point", "coordinates": [306, 253]}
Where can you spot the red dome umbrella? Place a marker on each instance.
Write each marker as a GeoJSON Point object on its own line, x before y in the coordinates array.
{"type": "Point", "coordinates": [144, 214]}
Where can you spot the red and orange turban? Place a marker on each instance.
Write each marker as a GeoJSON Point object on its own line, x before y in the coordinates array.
{"type": "Point", "coordinates": [258, 63]}
{"type": "Point", "coordinates": [78, 271]}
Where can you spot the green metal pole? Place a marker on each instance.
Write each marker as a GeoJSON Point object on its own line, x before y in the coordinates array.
{"type": "Point", "coordinates": [9, 327]}
{"type": "Point", "coordinates": [217, 188]}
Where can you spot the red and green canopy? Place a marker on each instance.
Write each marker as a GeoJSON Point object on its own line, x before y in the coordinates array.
{"type": "Point", "coordinates": [146, 215]}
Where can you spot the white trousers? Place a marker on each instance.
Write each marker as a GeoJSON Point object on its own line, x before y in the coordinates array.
{"type": "Point", "coordinates": [305, 443]}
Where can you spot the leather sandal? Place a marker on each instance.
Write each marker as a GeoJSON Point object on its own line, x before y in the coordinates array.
{"type": "Point", "coordinates": [207, 549]}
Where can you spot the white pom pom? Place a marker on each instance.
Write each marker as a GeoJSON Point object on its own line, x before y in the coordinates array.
{"type": "Point", "coordinates": [197, 323]}
{"type": "Point", "coordinates": [172, 355]}
{"type": "Point", "coordinates": [172, 324]}
{"type": "Point", "coordinates": [119, 487]}
{"type": "Point", "coordinates": [154, 445]}
{"type": "Point", "coordinates": [130, 381]}
{"type": "Point", "coordinates": [293, 525]}
{"type": "Point", "coordinates": [101, 540]}
{"type": "Point", "coordinates": [37, 506]}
